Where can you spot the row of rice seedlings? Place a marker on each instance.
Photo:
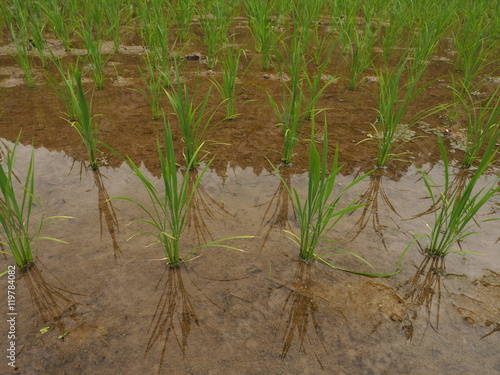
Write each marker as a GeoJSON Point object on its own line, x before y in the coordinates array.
{"type": "Point", "coordinates": [453, 220]}
{"type": "Point", "coordinates": [482, 119]}
{"type": "Point", "coordinates": [193, 119]}
{"type": "Point", "coordinates": [167, 219]}
{"type": "Point", "coordinates": [57, 17]}
{"type": "Point", "coordinates": [19, 234]}
{"type": "Point", "coordinates": [184, 11]}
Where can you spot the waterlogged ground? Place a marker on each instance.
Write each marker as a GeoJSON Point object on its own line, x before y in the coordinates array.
{"type": "Point", "coordinates": [113, 307]}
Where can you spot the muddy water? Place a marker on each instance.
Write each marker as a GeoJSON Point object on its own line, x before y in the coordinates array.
{"type": "Point", "coordinates": [118, 309]}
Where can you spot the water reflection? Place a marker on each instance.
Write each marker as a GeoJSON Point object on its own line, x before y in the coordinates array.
{"type": "Point", "coordinates": [299, 312]}
{"type": "Point", "coordinates": [373, 198]}
{"type": "Point", "coordinates": [107, 212]}
{"type": "Point", "coordinates": [174, 314]}
{"type": "Point", "coordinates": [51, 300]}
{"type": "Point", "coordinates": [279, 210]}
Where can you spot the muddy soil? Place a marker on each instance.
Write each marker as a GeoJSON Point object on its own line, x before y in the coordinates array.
{"type": "Point", "coordinates": [113, 307]}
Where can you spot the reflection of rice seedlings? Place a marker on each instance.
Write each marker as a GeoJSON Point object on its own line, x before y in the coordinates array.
{"type": "Point", "coordinates": [17, 232]}
{"type": "Point", "coordinates": [317, 213]}
{"type": "Point", "coordinates": [302, 308]}
{"type": "Point", "coordinates": [279, 209]}
{"type": "Point", "coordinates": [203, 207]}
{"type": "Point", "coordinates": [371, 199]}
{"type": "Point", "coordinates": [458, 208]}
{"type": "Point", "coordinates": [168, 217]}
{"type": "Point", "coordinates": [52, 301]}
{"type": "Point", "coordinates": [483, 123]}
{"type": "Point", "coordinates": [107, 211]}
{"type": "Point", "coordinates": [174, 314]}
{"type": "Point", "coordinates": [424, 289]}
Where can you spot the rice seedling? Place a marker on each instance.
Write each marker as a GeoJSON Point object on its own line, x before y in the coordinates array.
{"type": "Point", "coordinates": [318, 214]}
{"type": "Point", "coordinates": [155, 81]}
{"type": "Point", "coordinates": [343, 16]}
{"type": "Point", "coordinates": [155, 26]}
{"type": "Point", "coordinates": [184, 11]}
{"type": "Point", "coordinates": [66, 90]}
{"type": "Point", "coordinates": [84, 125]}
{"type": "Point", "coordinates": [454, 220]}
{"type": "Point", "coordinates": [227, 89]}
{"type": "Point", "coordinates": [316, 85]}
{"type": "Point", "coordinates": [483, 123]}
{"type": "Point", "coordinates": [394, 31]}
{"type": "Point", "coordinates": [215, 18]}
{"type": "Point", "coordinates": [113, 12]}
{"type": "Point", "coordinates": [57, 17]}
{"type": "Point", "coordinates": [94, 52]}
{"type": "Point", "coordinates": [23, 57]}
{"type": "Point", "coordinates": [289, 114]}
{"type": "Point", "coordinates": [359, 55]}
{"type": "Point", "coordinates": [259, 14]}
{"type": "Point", "coordinates": [36, 30]}
{"type": "Point", "coordinates": [167, 219]}
{"type": "Point", "coordinates": [393, 103]}
{"type": "Point", "coordinates": [473, 44]}
{"type": "Point", "coordinates": [192, 118]}
{"type": "Point", "coordinates": [18, 233]}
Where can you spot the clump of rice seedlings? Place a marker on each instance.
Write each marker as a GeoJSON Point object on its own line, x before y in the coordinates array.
{"type": "Point", "coordinates": [184, 11]}
{"type": "Point", "coordinates": [290, 113]}
{"type": "Point", "coordinates": [259, 14]}
{"type": "Point", "coordinates": [473, 44]}
{"type": "Point", "coordinates": [154, 27]}
{"type": "Point", "coordinates": [113, 12]}
{"type": "Point", "coordinates": [454, 219]}
{"type": "Point", "coordinates": [93, 44]}
{"type": "Point", "coordinates": [23, 57]}
{"type": "Point", "coordinates": [192, 118]}
{"type": "Point", "coordinates": [482, 122]}
{"type": "Point", "coordinates": [215, 18]}
{"type": "Point", "coordinates": [84, 125]}
{"type": "Point", "coordinates": [167, 219]}
{"type": "Point", "coordinates": [37, 28]}
{"type": "Point", "coordinates": [66, 90]}
{"type": "Point", "coordinates": [393, 103]}
{"type": "Point", "coordinates": [394, 31]}
{"type": "Point", "coordinates": [156, 81]}
{"type": "Point", "coordinates": [316, 85]}
{"type": "Point", "coordinates": [57, 17]}
{"type": "Point", "coordinates": [227, 89]}
{"type": "Point", "coordinates": [18, 233]}
{"type": "Point", "coordinates": [317, 214]}
{"type": "Point", "coordinates": [343, 17]}
{"type": "Point", "coordinates": [359, 55]}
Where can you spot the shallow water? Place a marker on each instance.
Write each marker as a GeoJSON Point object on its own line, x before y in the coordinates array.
{"type": "Point", "coordinates": [258, 311]}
